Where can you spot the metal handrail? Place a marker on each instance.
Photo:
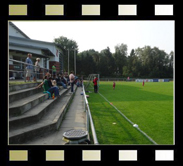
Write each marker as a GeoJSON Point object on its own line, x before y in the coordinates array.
{"type": "Point", "coordinates": [27, 64]}
{"type": "Point", "coordinates": [90, 118]}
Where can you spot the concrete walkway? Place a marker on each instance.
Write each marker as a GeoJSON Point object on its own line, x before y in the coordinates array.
{"type": "Point", "coordinates": [75, 118]}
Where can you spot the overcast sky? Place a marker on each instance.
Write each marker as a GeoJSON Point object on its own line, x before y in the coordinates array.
{"type": "Point", "coordinates": [99, 35]}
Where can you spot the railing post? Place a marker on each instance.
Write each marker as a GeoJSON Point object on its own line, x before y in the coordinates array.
{"type": "Point", "coordinates": [24, 70]}
{"type": "Point", "coordinates": [88, 121]}
{"type": "Point", "coordinates": [25, 74]}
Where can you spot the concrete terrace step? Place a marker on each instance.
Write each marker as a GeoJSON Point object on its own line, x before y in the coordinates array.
{"type": "Point", "coordinates": [47, 124]}
{"type": "Point", "coordinates": [17, 95]}
{"type": "Point", "coordinates": [25, 104]}
{"type": "Point", "coordinates": [35, 114]}
{"type": "Point", "coordinates": [18, 87]}
{"type": "Point", "coordinates": [75, 118]}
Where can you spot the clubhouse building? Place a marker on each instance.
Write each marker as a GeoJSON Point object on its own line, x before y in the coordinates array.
{"type": "Point", "coordinates": [20, 45]}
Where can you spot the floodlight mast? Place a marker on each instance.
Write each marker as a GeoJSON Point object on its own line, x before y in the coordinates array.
{"type": "Point", "coordinates": [74, 59]}
{"type": "Point", "coordinates": [68, 58]}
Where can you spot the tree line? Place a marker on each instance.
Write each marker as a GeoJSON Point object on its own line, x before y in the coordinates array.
{"type": "Point", "coordinates": [143, 62]}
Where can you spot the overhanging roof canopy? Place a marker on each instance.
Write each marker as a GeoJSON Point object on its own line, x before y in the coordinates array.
{"type": "Point", "coordinates": [25, 52]}
{"type": "Point", "coordinates": [43, 49]}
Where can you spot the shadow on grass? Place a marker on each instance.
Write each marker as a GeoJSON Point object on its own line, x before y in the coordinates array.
{"type": "Point", "coordinates": [119, 133]}
{"type": "Point", "coordinates": [112, 128]}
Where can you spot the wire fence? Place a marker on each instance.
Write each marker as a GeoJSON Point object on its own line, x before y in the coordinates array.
{"type": "Point", "coordinates": [19, 71]}
{"type": "Point", "coordinates": [133, 79]}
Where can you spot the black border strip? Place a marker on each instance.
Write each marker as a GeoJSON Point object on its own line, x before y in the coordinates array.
{"type": "Point", "coordinates": [72, 11]}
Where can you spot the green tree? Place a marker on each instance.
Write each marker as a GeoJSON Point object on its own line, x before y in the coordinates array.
{"type": "Point", "coordinates": [86, 63]}
{"type": "Point", "coordinates": [170, 65]}
{"type": "Point", "coordinates": [67, 46]}
{"type": "Point", "coordinates": [130, 64]}
{"type": "Point", "coordinates": [107, 62]}
{"type": "Point", "coordinates": [154, 62]}
{"type": "Point", "coordinates": [120, 57]}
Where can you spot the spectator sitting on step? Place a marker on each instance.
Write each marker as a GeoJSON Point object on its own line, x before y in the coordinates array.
{"type": "Point", "coordinates": [68, 80]}
{"type": "Point", "coordinates": [54, 89]}
{"type": "Point", "coordinates": [45, 84]}
{"type": "Point", "coordinates": [50, 81]}
{"type": "Point", "coordinates": [64, 76]}
{"type": "Point", "coordinates": [78, 83]}
{"type": "Point", "coordinates": [59, 81]}
{"type": "Point", "coordinates": [63, 80]}
{"type": "Point", "coordinates": [75, 79]}
{"type": "Point", "coordinates": [54, 77]}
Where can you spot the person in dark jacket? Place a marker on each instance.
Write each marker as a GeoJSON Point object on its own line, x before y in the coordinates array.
{"type": "Point", "coordinates": [60, 82]}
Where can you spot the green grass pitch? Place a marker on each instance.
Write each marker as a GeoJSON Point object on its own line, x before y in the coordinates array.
{"type": "Point", "coordinates": [151, 107]}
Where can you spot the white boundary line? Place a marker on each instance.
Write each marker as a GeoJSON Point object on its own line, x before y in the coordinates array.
{"type": "Point", "coordinates": [130, 121]}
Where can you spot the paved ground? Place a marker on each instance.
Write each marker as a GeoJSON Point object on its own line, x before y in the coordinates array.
{"type": "Point", "coordinates": [75, 118]}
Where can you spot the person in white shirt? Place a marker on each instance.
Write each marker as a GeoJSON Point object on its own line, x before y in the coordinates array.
{"type": "Point", "coordinates": [71, 78]}
{"type": "Point", "coordinates": [37, 68]}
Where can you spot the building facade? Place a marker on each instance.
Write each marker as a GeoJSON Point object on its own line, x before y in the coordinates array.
{"type": "Point", "coordinates": [20, 45]}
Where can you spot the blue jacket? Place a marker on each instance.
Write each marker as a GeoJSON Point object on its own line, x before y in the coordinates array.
{"type": "Point", "coordinates": [29, 61]}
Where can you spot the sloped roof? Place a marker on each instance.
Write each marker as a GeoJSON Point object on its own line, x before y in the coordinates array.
{"type": "Point", "coordinates": [31, 46]}
{"type": "Point", "coordinates": [13, 25]}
